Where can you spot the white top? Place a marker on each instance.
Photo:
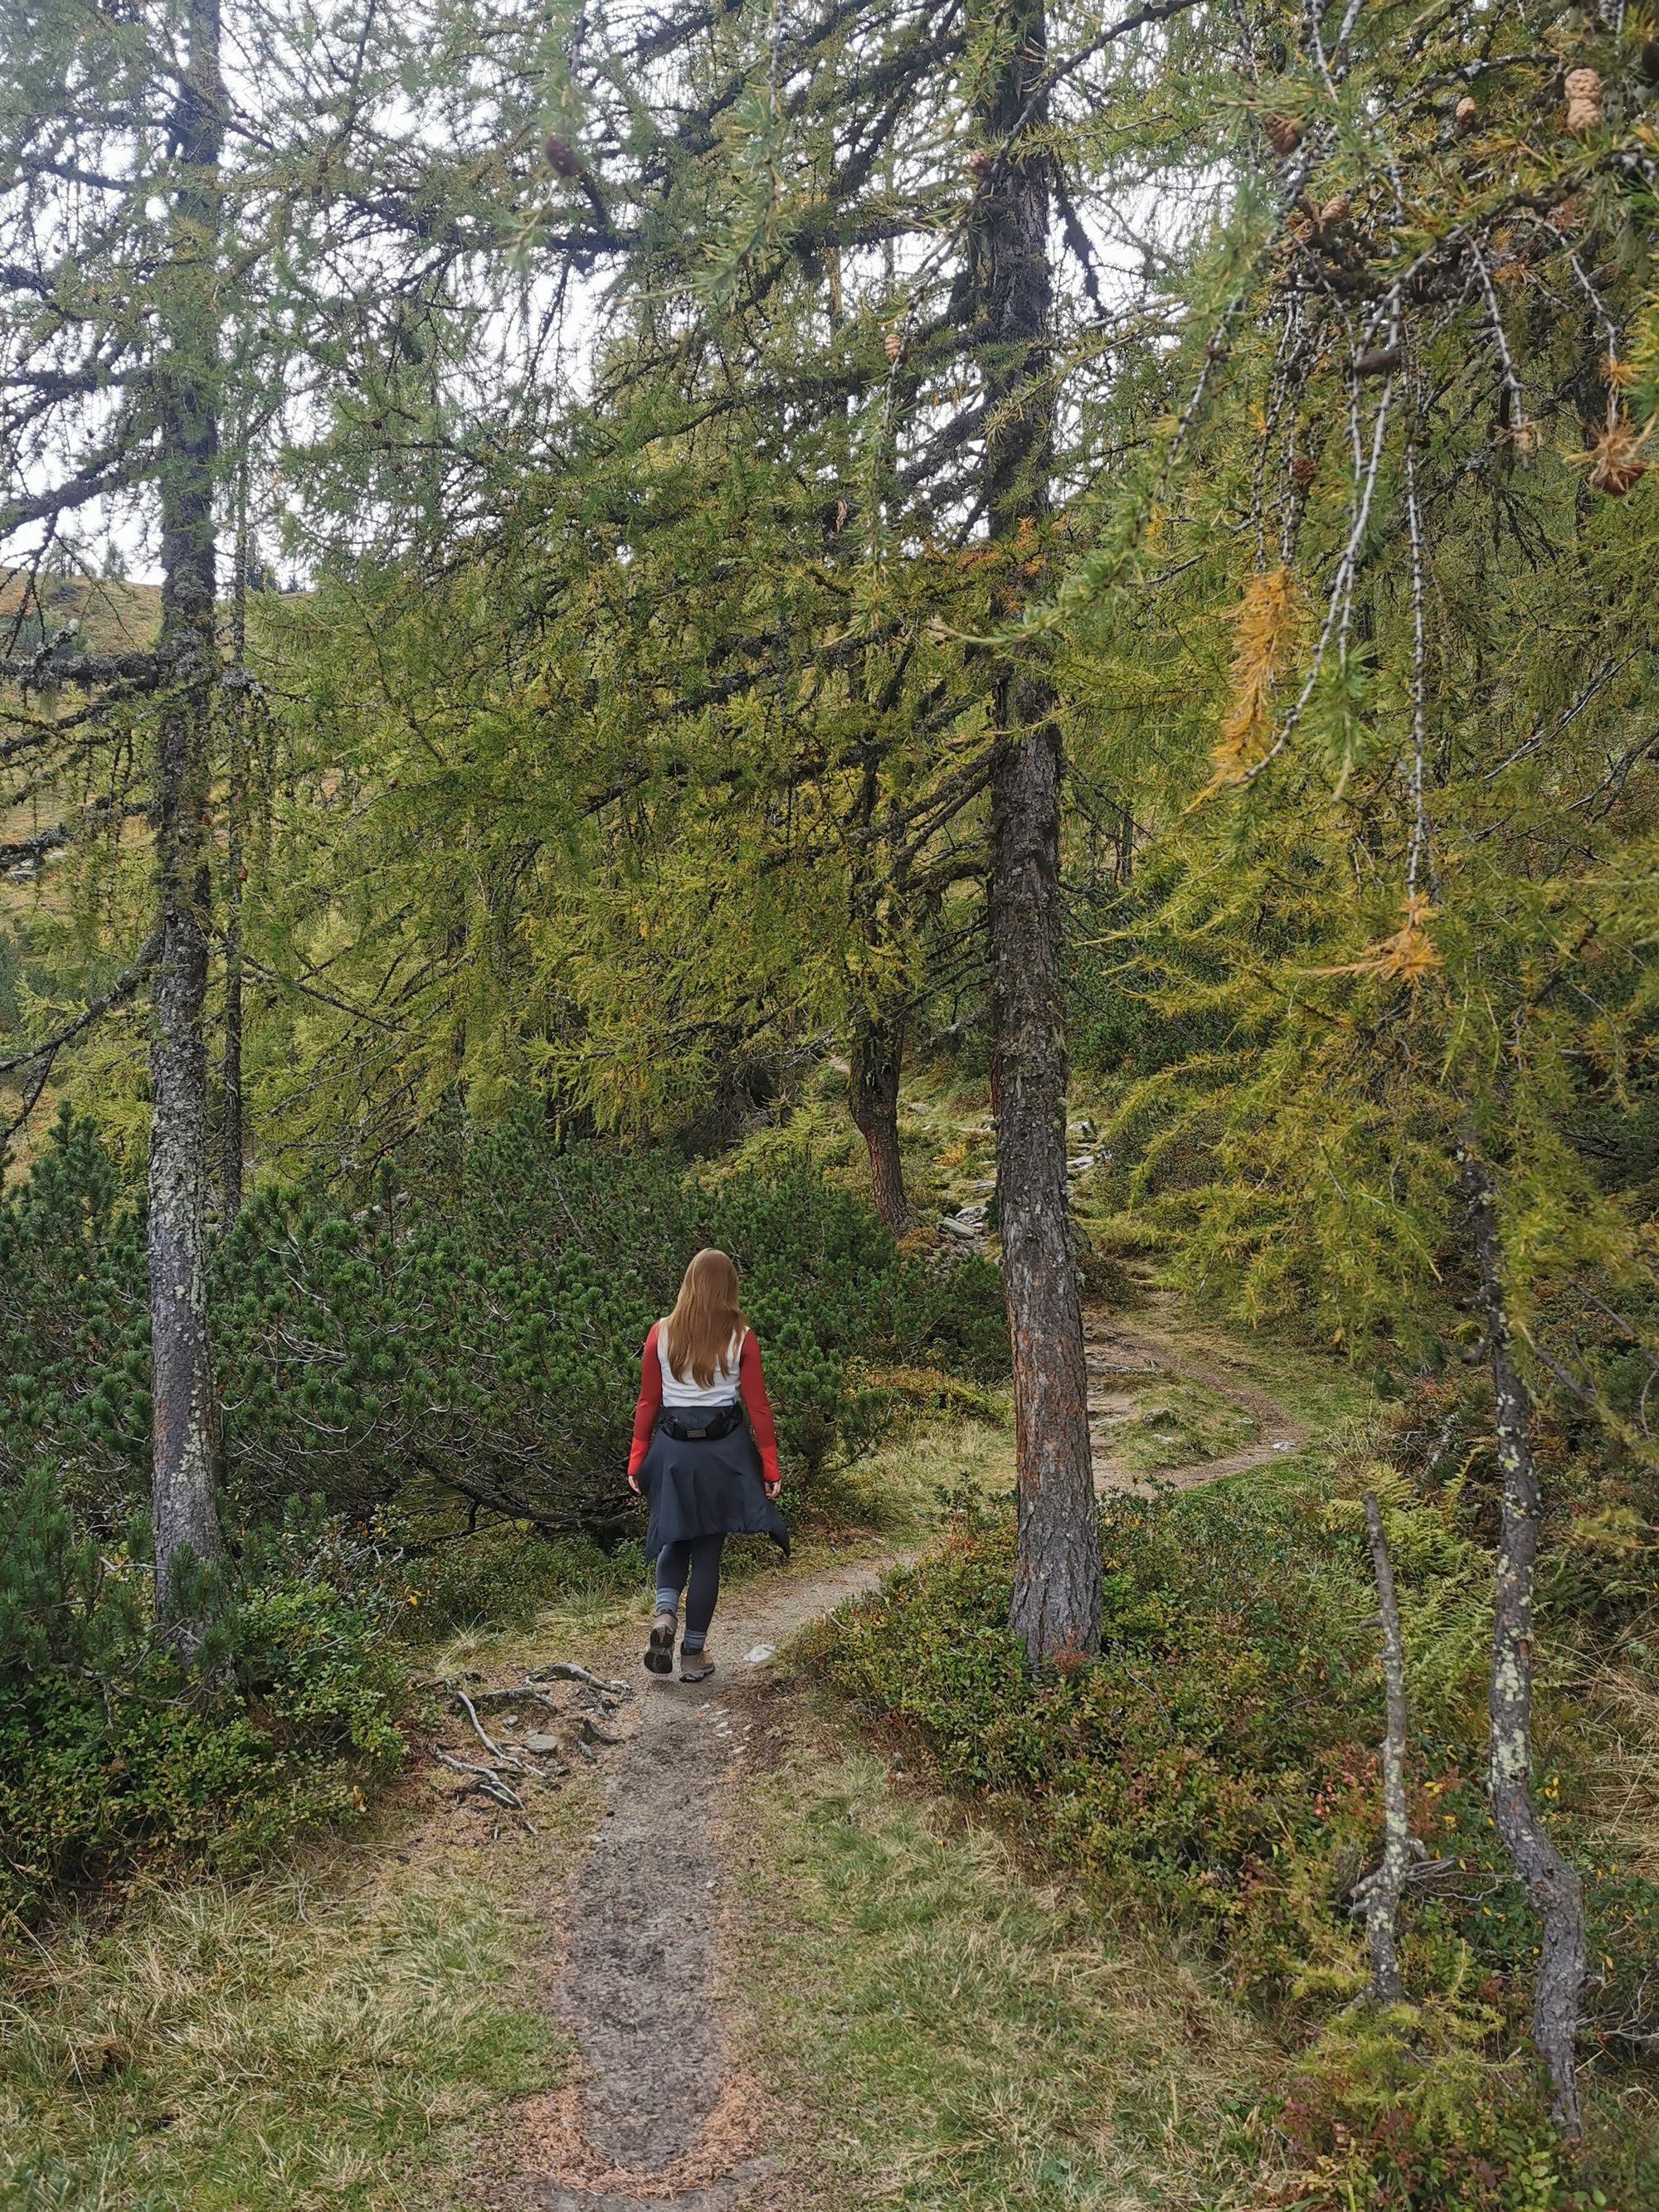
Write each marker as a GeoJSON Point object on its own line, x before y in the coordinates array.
{"type": "Point", "coordinates": [722, 1391]}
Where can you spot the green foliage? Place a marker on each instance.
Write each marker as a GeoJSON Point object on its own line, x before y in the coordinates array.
{"type": "Point", "coordinates": [108, 1746]}
{"type": "Point", "coordinates": [74, 1323]}
{"type": "Point", "coordinates": [472, 1336]}
{"type": "Point", "coordinates": [1217, 1767]}
{"type": "Point", "coordinates": [484, 1346]}
{"type": "Point", "coordinates": [504, 1576]}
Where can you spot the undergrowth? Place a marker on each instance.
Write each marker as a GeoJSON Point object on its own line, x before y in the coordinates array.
{"type": "Point", "coordinates": [1216, 1768]}
{"type": "Point", "coordinates": [426, 1403]}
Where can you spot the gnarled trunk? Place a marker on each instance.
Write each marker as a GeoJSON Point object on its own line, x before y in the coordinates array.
{"type": "Point", "coordinates": [185, 1512]}
{"type": "Point", "coordinates": [1552, 1885]}
{"type": "Point", "coordinates": [1056, 1602]}
{"type": "Point", "coordinates": [876, 1050]}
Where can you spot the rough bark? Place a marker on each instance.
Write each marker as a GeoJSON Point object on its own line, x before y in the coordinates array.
{"type": "Point", "coordinates": [182, 1487]}
{"type": "Point", "coordinates": [876, 1050]}
{"type": "Point", "coordinates": [232, 1138]}
{"type": "Point", "coordinates": [1552, 1885]}
{"type": "Point", "coordinates": [1378, 1896]}
{"type": "Point", "coordinates": [1056, 1602]}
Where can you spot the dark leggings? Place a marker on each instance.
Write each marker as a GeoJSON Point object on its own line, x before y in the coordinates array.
{"type": "Point", "coordinates": [698, 1557]}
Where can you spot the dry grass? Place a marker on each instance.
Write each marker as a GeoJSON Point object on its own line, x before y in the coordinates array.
{"type": "Point", "coordinates": [330, 2036]}
{"type": "Point", "coordinates": [1624, 1786]}
{"type": "Point", "coordinates": [954, 2037]}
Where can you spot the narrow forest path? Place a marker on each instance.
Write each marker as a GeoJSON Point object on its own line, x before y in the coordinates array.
{"type": "Point", "coordinates": [1119, 1353]}
{"type": "Point", "coordinates": [660, 2113]}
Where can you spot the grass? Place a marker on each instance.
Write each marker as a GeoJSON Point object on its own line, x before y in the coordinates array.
{"type": "Point", "coordinates": [318, 2038]}
{"type": "Point", "coordinates": [1183, 1423]}
{"type": "Point", "coordinates": [975, 2042]}
{"type": "Point", "coordinates": [340, 2033]}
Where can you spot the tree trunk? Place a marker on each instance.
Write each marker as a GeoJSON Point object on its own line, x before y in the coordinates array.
{"type": "Point", "coordinates": [876, 1050]}
{"type": "Point", "coordinates": [1056, 1603]}
{"type": "Point", "coordinates": [232, 1138]}
{"type": "Point", "coordinates": [1378, 1895]}
{"type": "Point", "coordinates": [1552, 1885]}
{"type": "Point", "coordinates": [185, 1515]}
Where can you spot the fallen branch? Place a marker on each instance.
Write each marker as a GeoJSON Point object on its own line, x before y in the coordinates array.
{"type": "Point", "coordinates": [485, 1778]}
{"type": "Point", "coordinates": [517, 1693]}
{"type": "Point", "coordinates": [566, 1670]}
{"type": "Point", "coordinates": [484, 1737]}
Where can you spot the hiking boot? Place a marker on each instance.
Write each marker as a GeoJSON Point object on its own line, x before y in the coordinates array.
{"type": "Point", "coordinates": [695, 1666]}
{"type": "Point", "coordinates": [659, 1649]}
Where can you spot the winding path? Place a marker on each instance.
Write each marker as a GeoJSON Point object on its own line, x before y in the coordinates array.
{"type": "Point", "coordinates": [1112, 1348]}
{"type": "Point", "coordinates": [659, 2118]}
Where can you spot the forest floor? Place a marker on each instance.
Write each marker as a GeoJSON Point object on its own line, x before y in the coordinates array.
{"type": "Point", "coordinates": [736, 1959]}
{"type": "Point", "coordinates": [716, 2069]}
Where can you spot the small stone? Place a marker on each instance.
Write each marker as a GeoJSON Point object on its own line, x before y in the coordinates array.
{"type": "Point", "coordinates": [760, 1655]}
{"type": "Point", "coordinates": [539, 1740]}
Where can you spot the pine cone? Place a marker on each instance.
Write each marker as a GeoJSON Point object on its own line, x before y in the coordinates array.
{"type": "Point", "coordinates": [892, 345]}
{"type": "Point", "coordinates": [561, 156]}
{"type": "Point", "coordinates": [1283, 136]}
{"type": "Point", "coordinates": [1465, 115]}
{"type": "Point", "coordinates": [1302, 470]}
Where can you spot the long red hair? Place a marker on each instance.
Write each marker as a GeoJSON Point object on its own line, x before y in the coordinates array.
{"type": "Point", "coordinates": [707, 1319]}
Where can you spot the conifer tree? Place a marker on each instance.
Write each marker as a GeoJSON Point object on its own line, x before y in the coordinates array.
{"type": "Point", "coordinates": [1409, 440]}
{"type": "Point", "coordinates": [147, 207]}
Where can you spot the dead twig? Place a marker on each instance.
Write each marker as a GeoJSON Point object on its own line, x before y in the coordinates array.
{"type": "Point", "coordinates": [1377, 1897]}
{"type": "Point", "coordinates": [461, 1698]}
{"type": "Point", "coordinates": [487, 1781]}
{"type": "Point", "coordinates": [567, 1670]}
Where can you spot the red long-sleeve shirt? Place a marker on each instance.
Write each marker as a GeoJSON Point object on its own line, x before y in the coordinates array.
{"type": "Point", "coordinates": [751, 1388]}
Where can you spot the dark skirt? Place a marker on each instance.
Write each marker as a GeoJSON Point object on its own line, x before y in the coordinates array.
{"type": "Point", "coordinates": [707, 1486]}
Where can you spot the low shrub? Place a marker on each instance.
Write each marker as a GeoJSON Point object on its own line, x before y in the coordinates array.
{"type": "Point", "coordinates": [108, 1746]}
{"type": "Point", "coordinates": [480, 1343]}
{"type": "Point", "coordinates": [1217, 1767]}
{"type": "Point", "coordinates": [505, 1575]}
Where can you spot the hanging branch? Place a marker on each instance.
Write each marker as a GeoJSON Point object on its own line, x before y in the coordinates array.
{"type": "Point", "coordinates": [39, 1057]}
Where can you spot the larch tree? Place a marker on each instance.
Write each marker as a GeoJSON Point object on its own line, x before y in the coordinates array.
{"type": "Point", "coordinates": [164, 182]}
{"type": "Point", "coordinates": [1412, 454]}
{"type": "Point", "coordinates": [831, 243]}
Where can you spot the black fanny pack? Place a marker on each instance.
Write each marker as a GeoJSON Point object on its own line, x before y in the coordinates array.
{"type": "Point", "coordinates": [718, 1421]}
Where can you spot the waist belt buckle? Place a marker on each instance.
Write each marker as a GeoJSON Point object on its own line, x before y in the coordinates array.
{"type": "Point", "coordinates": [696, 1436]}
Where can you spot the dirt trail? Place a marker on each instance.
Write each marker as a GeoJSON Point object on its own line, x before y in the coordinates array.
{"type": "Point", "coordinates": [1113, 1347]}
{"type": "Point", "coordinates": [658, 2119]}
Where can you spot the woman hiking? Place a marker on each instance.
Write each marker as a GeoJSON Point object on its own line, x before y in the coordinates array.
{"type": "Point", "coordinates": [703, 1475]}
